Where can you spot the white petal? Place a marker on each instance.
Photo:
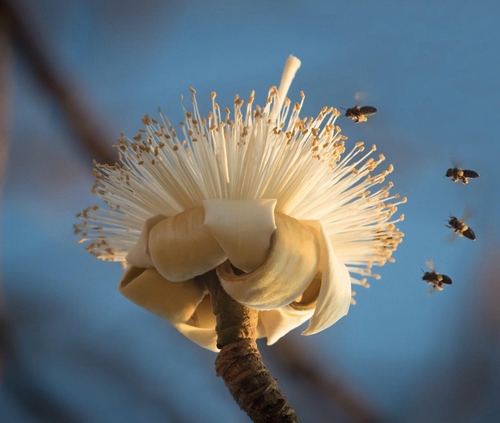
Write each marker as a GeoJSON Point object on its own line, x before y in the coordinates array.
{"type": "Point", "coordinates": [274, 324]}
{"type": "Point", "coordinates": [201, 327]}
{"type": "Point", "coordinates": [243, 229]}
{"type": "Point", "coordinates": [204, 337]}
{"type": "Point", "coordinates": [173, 301]}
{"type": "Point", "coordinates": [139, 256]}
{"type": "Point", "coordinates": [182, 248]}
{"type": "Point", "coordinates": [290, 267]}
{"type": "Point", "coordinates": [335, 291]}
{"type": "Point", "coordinates": [185, 305]}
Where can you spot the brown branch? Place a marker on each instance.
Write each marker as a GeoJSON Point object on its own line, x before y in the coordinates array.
{"type": "Point", "coordinates": [239, 362]}
{"type": "Point", "coordinates": [86, 127]}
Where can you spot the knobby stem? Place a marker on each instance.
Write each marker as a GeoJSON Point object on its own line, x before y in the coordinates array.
{"type": "Point", "coordinates": [239, 362]}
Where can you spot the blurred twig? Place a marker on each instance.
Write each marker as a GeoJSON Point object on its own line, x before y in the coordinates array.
{"type": "Point", "coordinates": [5, 92]}
{"type": "Point", "coordinates": [354, 407]}
{"type": "Point", "coordinates": [460, 385]}
{"type": "Point", "coordinates": [86, 126]}
{"type": "Point", "coordinates": [5, 119]}
{"type": "Point", "coordinates": [472, 376]}
{"type": "Point", "coordinates": [490, 295]}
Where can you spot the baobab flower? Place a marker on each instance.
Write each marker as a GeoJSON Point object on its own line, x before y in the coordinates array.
{"type": "Point", "coordinates": [267, 198]}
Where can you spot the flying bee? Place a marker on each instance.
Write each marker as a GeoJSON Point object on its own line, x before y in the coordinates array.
{"type": "Point", "coordinates": [457, 174]}
{"type": "Point", "coordinates": [358, 114]}
{"type": "Point", "coordinates": [434, 278]}
{"type": "Point", "coordinates": [460, 228]}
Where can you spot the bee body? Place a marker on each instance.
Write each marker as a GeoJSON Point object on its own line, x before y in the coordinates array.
{"type": "Point", "coordinates": [456, 174]}
{"type": "Point", "coordinates": [358, 114]}
{"type": "Point", "coordinates": [460, 228]}
{"type": "Point", "coordinates": [435, 279]}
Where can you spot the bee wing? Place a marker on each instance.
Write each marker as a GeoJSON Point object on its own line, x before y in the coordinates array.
{"type": "Point", "coordinates": [429, 264]}
{"type": "Point", "coordinates": [432, 289]}
{"type": "Point", "coordinates": [468, 212]}
{"type": "Point", "coordinates": [450, 238]}
{"type": "Point", "coordinates": [360, 96]}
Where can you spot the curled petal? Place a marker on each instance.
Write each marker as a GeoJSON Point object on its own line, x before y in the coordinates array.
{"type": "Point", "coordinates": [175, 302]}
{"type": "Point", "coordinates": [139, 255]}
{"type": "Point", "coordinates": [200, 328]}
{"type": "Point", "coordinates": [243, 229]}
{"type": "Point", "coordinates": [185, 305]}
{"type": "Point", "coordinates": [288, 270]}
{"type": "Point", "coordinates": [274, 324]}
{"type": "Point", "coordinates": [335, 291]}
{"type": "Point", "coordinates": [182, 248]}
{"type": "Point", "coordinates": [204, 337]}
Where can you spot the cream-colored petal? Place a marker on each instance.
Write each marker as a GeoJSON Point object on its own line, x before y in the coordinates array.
{"type": "Point", "coordinates": [274, 324]}
{"type": "Point", "coordinates": [173, 301]}
{"type": "Point", "coordinates": [200, 328]}
{"type": "Point", "coordinates": [203, 317]}
{"type": "Point", "coordinates": [243, 229]}
{"type": "Point", "coordinates": [335, 291]}
{"type": "Point", "coordinates": [185, 305]}
{"type": "Point", "coordinates": [288, 270]}
{"type": "Point", "coordinates": [182, 248]}
{"type": "Point", "coordinates": [139, 255]}
{"type": "Point", "coordinates": [204, 337]}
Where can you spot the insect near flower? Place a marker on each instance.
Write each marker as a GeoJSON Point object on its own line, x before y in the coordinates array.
{"type": "Point", "coordinates": [262, 195]}
{"type": "Point", "coordinates": [456, 174]}
{"type": "Point", "coordinates": [434, 278]}
{"type": "Point", "coordinates": [460, 228]}
{"type": "Point", "coordinates": [358, 114]}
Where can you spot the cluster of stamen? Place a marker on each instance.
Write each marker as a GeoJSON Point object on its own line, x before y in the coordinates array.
{"type": "Point", "coordinates": [247, 153]}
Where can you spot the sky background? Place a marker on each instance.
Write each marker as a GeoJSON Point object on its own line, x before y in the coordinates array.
{"type": "Point", "coordinates": [81, 352]}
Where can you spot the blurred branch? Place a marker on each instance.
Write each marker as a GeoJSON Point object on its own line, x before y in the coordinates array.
{"type": "Point", "coordinates": [5, 91]}
{"type": "Point", "coordinates": [354, 407]}
{"type": "Point", "coordinates": [461, 384]}
{"type": "Point", "coordinates": [87, 127]}
{"type": "Point", "coordinates": [490, 294]}
{"type": "Point", "coordinates": [472, 375]}
{"type": "Point", "coordinates": [5, 119]}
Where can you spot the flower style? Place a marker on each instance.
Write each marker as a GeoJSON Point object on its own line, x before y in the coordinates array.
{"type": "Point", "coordinates": [264, 197]}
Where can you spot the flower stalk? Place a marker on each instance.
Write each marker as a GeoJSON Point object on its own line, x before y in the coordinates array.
{"type": "Point", "coordinates": [239, 362]}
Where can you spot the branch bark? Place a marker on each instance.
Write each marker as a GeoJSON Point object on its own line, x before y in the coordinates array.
{"type": "Point", "coordinates": [239, 362]}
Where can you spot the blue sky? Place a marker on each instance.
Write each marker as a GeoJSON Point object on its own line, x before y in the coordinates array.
{"type": "Point", "coordinates": [432, 70]}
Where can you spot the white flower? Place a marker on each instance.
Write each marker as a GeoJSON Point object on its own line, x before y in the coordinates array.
{"type": "Point", "coordinates": [263, 196]}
